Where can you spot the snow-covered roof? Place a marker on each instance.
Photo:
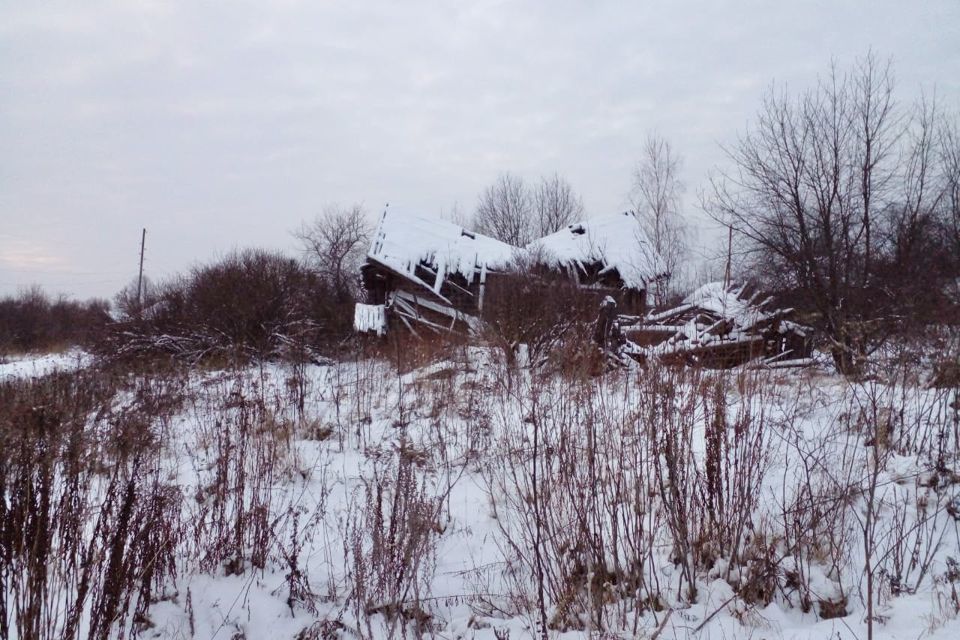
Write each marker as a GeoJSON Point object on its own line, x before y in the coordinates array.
{"type": "Point", "coordinates": [616, 241]}
{"type": "Point", "coordinates": [404, 240]}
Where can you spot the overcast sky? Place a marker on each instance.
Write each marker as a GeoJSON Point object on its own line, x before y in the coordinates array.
{"type": "Point", "coordinates": [218, 125]}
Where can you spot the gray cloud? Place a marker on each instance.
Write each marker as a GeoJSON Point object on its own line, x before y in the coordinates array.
{"type": "Point", "coordinates": [217, 126]}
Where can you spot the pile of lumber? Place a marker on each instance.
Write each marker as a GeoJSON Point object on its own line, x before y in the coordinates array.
{"type": "Point", "coordinates": [720, 326]}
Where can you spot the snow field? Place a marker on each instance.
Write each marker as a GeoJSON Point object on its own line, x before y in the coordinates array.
{"type": "Point", "coordinates": [463, 499]}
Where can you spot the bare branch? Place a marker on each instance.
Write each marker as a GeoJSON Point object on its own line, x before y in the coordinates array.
{"type": "Point", "coordinates": [505, 211]}
{"type": "Point", "coordinates": [656, 197]}
{"type": "Point", "coordinates": [334, 244]}
{"type": "Point", "coordinates": [555, 205]}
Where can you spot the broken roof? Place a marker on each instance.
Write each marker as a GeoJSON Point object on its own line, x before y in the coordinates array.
{"type": "Point", "coordinates": [724, 311]}
{"type": "Point", "coordinates": [730, 302]}
{"type": "Point", "coordinates": [723, 324]}
{"type": "Point", "coordinates": [403, 241]}
{"type": "Point", "coordinates": [616, 241]}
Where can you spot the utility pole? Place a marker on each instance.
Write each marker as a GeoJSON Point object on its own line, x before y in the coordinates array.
{"type": "Point", "coordinates": [143, 242]}
{"type": "Point", "coordinates": [726, 272]}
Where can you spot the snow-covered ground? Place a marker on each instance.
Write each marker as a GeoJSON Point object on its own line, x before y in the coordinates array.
{"type": "Point", "coordinates": [34, 366]}
{"type": "Point", "coordinates": [450, 492]}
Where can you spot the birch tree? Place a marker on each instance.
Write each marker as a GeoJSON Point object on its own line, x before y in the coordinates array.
{"type": "Point", "coordinates": [656, 198]}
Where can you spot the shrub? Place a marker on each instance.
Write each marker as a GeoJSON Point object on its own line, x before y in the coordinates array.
{"type": "Point", "coordinates": [252, 303]}
{"type": "Point", "coordinates": [543, 310]}
{"type": "Point", "coordinates": [32, 321]}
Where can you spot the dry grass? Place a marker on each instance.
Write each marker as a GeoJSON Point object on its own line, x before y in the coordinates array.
{"type": "Point", "coordinates": [615, 499]}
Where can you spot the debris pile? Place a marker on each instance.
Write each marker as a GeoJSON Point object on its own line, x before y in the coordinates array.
{"type": "Point", "coordinates": [720, 326]}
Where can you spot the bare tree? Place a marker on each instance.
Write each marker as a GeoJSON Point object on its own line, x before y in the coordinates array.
{"type": "Point", "coordinates": [334, 244]}
{"type": "Point", "coordinates": [916, 248]}
{"type": "Point", "coordinates": [555, 205]}
{"type": "Point", "coordinates": [829, 192]}
{"type": "Point", "coordinates": [126, 301]}
{"type": "Point", "coordinates": [950, 161]}
{"type": "Point", "coordinates": [505, 211]}
{"type": "Point", "coordinates": [456, 215]}
{"type": "Point", "coordinates": [656, 197]}
{"type": "Point", "coordinates": [511, 211]}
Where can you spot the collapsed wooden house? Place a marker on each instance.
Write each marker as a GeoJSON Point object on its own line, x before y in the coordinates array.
{"type": "Point", "coordinates": [722, 326]}
{"type": "Point", "coordinates": [432, 276]}
{"type": "Point", "coordinates": [428, 274]}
